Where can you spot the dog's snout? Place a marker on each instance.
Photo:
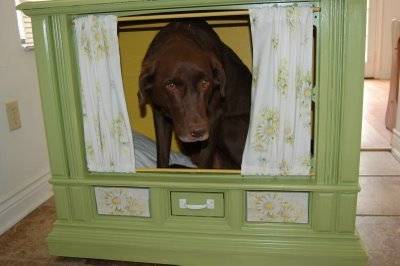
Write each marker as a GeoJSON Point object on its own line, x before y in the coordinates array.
{"type": "Point", "coordinates": [195, 133]}
{"type": "Point", "coordinates": [198, 132]}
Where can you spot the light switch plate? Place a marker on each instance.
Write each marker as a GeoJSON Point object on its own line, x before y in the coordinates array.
{"type": "Point", "coordinates": [14, 120]}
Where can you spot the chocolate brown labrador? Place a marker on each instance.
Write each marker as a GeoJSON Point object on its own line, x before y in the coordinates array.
{"type": "Point", "coordinates": [198, 87]}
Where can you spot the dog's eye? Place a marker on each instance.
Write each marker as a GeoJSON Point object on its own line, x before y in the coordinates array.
{"type": "Point", "coordinates": [170, 86]}
{"type": "Point", "coordinates": [204, 84]}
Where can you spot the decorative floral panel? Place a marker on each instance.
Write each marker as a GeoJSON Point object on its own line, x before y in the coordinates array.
{"type": "Point", "coordinates": [277, 207]}
{"type": "Point", "coordinates": [122, 201]}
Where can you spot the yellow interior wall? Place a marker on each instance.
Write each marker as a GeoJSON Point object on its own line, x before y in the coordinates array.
{"type": "Point", "coordinates": [133, 45]}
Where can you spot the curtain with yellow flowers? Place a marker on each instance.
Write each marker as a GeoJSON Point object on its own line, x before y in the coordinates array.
{"type": "Point", "coordinates": [107, 132]}
{"type": "Point", "coordinates": [279, 137]}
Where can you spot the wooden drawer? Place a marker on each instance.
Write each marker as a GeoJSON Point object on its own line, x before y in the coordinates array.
{"type": "Point", "coordinates": [204, 204]}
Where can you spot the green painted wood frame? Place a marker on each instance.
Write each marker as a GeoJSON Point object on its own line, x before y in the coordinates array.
{"type": "Point", "coordinates": [328, 239]}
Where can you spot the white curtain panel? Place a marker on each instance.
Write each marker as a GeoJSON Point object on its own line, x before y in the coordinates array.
{"type": "Point", "coordinates": [108, 135]}
{"type": "Point", "coordinates": [279, 137]}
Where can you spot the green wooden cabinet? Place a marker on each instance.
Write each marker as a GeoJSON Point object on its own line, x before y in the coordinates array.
{"type": "Point", "coordinates": [162, 230]}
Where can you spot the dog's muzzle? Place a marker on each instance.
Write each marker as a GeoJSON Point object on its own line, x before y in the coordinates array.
{"type": "Point", "coordinates": [197, 134]}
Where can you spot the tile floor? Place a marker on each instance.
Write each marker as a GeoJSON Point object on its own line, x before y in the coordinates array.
{"type": "Point", "coordinates": [374, 132]}
{"type": "Point", "coordinates": [378, 208]}
{"type": "Point", "coordinates": [386, 166]}
{"type": "Point", "coordinates": [381, 238]}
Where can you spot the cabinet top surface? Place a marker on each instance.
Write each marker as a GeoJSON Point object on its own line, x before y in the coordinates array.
{"type": "Point", "coordinates": [43, 7]}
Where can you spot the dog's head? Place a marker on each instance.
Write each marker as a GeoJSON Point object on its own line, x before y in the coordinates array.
{"type": "Point", "coordinates": [180, 79]}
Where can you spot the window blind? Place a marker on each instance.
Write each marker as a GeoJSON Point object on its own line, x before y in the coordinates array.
{"type": "Point", "coordinates": [25, 28]}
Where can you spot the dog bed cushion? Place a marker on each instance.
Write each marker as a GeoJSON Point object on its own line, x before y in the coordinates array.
{"type": "Point", "coordinates": [146, 154]}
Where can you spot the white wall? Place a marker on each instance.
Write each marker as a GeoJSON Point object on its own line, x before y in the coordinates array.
{"type": "Point", "coordinates": [387, 9]}
{"type": "Point", "coordinates": [24, 167]}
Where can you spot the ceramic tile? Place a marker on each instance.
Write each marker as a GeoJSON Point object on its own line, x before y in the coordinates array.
{"type": "Point", "coordinates": [374, 163]}
{"type": "Point", "coordinates": [374, 132]}
{"type": "Point", "coordinates": [378, 194]}
{"type": "Point", "coordinates": [381, 238]}
{"type": "Point", "coordinates": [372, 139]}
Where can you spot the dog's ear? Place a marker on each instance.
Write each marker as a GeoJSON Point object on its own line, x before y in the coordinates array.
{"type": "Point", "coordinates": [218, 74]}
{"type": "Point", "coordinates": [146, 82]}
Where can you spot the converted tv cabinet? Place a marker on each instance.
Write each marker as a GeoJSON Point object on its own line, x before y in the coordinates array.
{"type": "Point", "coordinates": [153, 223]}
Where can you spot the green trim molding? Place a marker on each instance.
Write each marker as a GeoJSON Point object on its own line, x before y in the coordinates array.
{"type": "Point", "coordinates": [220, 236]}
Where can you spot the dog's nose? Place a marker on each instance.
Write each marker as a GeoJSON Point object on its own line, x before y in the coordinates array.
{"type": "Point", "coordinates": [198, 132]}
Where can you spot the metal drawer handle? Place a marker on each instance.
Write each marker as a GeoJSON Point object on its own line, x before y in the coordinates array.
{"type": "Point", "coordinates": [209, 205]}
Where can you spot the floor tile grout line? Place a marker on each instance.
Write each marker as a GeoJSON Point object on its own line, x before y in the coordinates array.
{"type": "Point", "coordinates": [371, 175]}
{"type": "Point", "coordinates": [378, 215]}
{"type": "Point", "coordinates": [378, 176]}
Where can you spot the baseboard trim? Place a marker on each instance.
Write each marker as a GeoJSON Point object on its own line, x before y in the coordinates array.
{"type": "Point", "coordinates": [24, 200]}
{"type": "Point", "coordinates": [396, 144]}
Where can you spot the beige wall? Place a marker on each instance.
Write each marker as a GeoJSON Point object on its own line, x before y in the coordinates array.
{"type": "Point", "coordinates": [24, 167]}
{"type": "Point", "coordinates": [387, 10]}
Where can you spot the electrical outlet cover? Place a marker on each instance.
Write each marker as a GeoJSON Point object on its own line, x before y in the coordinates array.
{"type": "Point", "coordinates": [14, 120]}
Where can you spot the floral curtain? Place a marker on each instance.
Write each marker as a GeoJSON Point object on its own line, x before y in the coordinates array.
{"type": "Point", "coordinates": [108, 135]}
{"type": "Point", "coordinates": [279, 137]}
